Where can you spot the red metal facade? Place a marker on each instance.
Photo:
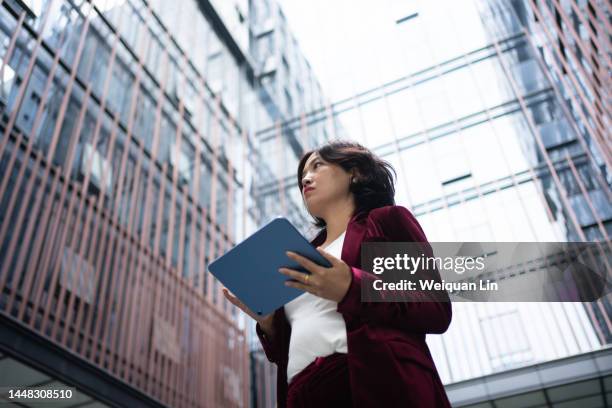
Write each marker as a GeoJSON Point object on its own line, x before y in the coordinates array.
{"type": "Point", "coordinates": [94, 251]}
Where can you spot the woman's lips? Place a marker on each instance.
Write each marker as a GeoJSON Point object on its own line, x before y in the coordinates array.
{"type": "Point", "coordinates": [308, 190]}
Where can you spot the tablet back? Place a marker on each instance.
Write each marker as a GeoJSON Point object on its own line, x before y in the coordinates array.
{"type": "Point", "coordinates": [250, 269]}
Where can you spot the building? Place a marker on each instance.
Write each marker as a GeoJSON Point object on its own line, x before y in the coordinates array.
{"type": "Point", "coordinates": [567, 40]}
{"type": "Point", "coordinates": [128, 161]}
{"type": "Point", "coordinates": [141, 139]}
{"type": "Point", "coordinates": [464, 98]}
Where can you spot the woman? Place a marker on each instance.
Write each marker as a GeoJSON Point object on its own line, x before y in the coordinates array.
{"type": "Point", "coordinates": [330, 348]}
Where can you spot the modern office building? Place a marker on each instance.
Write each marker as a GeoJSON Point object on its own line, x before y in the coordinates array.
{"type": "Point", "coordinates": [570, 41]}
{"type": "Point", "coordinates": [478, 112]}
{"type": "Point", "coordinates": [141, 139]}
{"type": "Point", "coordinates": [128, 161]}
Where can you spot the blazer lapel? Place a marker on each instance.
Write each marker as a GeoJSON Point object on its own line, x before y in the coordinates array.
{"type": "Point", "coordinates": [355, 233]}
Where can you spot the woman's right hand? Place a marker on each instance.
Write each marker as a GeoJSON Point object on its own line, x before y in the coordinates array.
{"type": "Point", "coordinates": [265, 322]}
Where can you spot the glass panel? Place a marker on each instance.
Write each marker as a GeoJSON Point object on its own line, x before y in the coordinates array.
{"type": "Point", "coordinates": [166, 139]}
{"type": "Point", "coordinates": [432, 100]}
{"type": "Point", "coordinates": [462, 93]}
{"type": "Point", "coordinates": [376, 122]}
{"type": "Point", "coordinates": [405, 113]}
{"type": "Point", "coordinates": [423, 184]}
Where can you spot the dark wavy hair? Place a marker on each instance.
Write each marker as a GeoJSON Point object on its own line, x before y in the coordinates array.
{"type": "Point", "coordinates": [374, 186]}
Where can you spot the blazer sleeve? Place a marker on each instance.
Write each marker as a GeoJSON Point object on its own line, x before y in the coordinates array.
{"type": "Point", "coordinates": [277, 347]}
{"type": "Point", "coordinates": [421, 312]}
{"type": "Point", "coordinates": [277, 351]}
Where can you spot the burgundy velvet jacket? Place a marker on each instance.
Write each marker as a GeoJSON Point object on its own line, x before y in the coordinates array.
{"type": "Point", "coordinates": [389, 362]}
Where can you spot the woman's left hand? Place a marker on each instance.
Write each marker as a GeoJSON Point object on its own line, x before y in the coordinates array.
{"type": "Point", "coordinates": [329, 283]}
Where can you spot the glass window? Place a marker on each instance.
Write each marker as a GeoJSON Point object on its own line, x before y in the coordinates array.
{"type": "Point", "coordinates": [200, 49]}
{"type": "Point", "coordinates": [173, 79]}
{"type": "Point", "coordinates": [116, 158]}
{"type": "Point", "coordinates": [445, 230]}
{"type": "Point", "coordinates": [169, 13]}
{"type": "Point", "coordinates": [176, 234]}
{"type": "Point", "coordinates": [433, 103]}
{"type": "Point", "coordinates": [468, 25]}
{"type": "Point", "coordinates": [119, 87]}
{"type": "Point", "coordinates": [194, 257]}
{"type": "Point", "coordinates": [528, 76]}
{"type": "Point", "coordinates": [413, 46]}
{"type": "Point", "coordinates": [462, 93]}
{"type": "Point", "coordinates": [36, 6]}
{"type": "Point", "coordinates": [205, 185]}
{"type": "Point", "coordinates": [165, 224]}
{"type": "Point", "coordinates": [84, 139]}
{"type": "Point", "coordinates": [349, 125]}
{"type": "Point", "coordinates": [216, 71]}
{"type": "Point", "coordinates": [492, 87]}
{"type": "Point", "coordinates": [222, 203]}
{"type": "Point", "coordinates": [132, 25]}
{"type": "Point", "coordinates": [126, 100]}
{"type": "Point", "coordinates": [6, 31]}
{"type": "Point", "coordinates": [484, 153]}
{"type": "Point", "coordinates": [66, 132]}
{"type": "Point", "coordinates": [189, 19]}
{"type": "Point", "coordinates": [154, 54]}
{"type": "Point", "coordinates": [64, 22]}
{"type": "Point", "coordinates": [145, 118]}
{"type": "Point", "coordinates": [113, 10]}
{"type": "Point", "coordinates": [180, 161]}
{"type": "Point", "coordinates": [422, 181]}
{"type": "Point", "coordinates": [88, 54]}
{"type": "Point", "coordinates": [232, 92]}
{"type": "Point", "coordinates": [166, 139]}
{"type": "Point", "coordinates": [443, 43]}
{"type": "Point", "coordinates": [451, 159]}
{"type": "Point", "coordinates": [99, 66]}
{"type": "Point", "coordinates": [405, 113]}
{"type": "Point", "coordinates": [14, 72]}
{"type": "Point", "coordinates": [32, 98]}
{"type": "Point", "coordinates": [509, 130]}
{"type": "Point", "coordinates": [100, 172]}
{"type": "Point", "coordinates": [51, 110]}
{"type": "Point", "coordinates": [141, 197]}
{"type": "Point", "coordinates": [191, 100]}
{"type": "Point", "coordinates": [505, 354]}
{"type": "Point", "coordinates": [69, 48]}
{"type": "Point", "coordinates": [376, 122]}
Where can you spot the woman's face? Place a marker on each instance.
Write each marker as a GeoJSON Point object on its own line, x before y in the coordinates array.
{"type": "Point", "coordinates": [323, 184]}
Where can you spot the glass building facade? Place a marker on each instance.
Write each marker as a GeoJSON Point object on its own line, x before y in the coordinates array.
{"type": "Point", "coordinates": [128, 161]}
{"type": "Point", "coordinates": [465, 99]}
{"type": "Point", "coordinates": [142, 139]}
{"type": "Point", "coordinates": [568, 41]}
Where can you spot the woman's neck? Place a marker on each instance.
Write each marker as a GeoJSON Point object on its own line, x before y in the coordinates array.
{"type": "Point", "coordinates": [337, 223]}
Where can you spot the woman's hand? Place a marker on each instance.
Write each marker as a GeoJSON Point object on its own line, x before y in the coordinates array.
{"type": "Point", "coordinates": [265, 322]}
{"type": "Point", "coordinates": [329, 283]}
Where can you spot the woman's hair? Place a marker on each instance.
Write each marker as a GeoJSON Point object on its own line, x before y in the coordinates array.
{"type": "Point", "coordinates": [374, 186]}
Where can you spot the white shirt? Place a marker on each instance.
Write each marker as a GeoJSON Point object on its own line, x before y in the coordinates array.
{"type": "Point", "coordinates": [317, 329]}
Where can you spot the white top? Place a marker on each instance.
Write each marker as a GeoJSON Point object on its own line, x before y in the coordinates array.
{"type": "Point", "coordinates": [317, 329]}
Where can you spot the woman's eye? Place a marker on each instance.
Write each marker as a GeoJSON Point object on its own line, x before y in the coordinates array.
{"type": "Point", "coordinates": [316, 164]}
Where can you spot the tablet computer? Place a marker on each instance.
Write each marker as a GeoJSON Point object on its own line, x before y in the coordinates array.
{"type": "Point", "coordinates": [250, 269]}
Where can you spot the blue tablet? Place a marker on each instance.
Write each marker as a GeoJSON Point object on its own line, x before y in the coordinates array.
{"type": "Point", "coordinates": [250, 269]}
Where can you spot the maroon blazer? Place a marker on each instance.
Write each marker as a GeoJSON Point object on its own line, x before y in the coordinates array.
{"type": "Point", "coordinates": [389, 362]}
